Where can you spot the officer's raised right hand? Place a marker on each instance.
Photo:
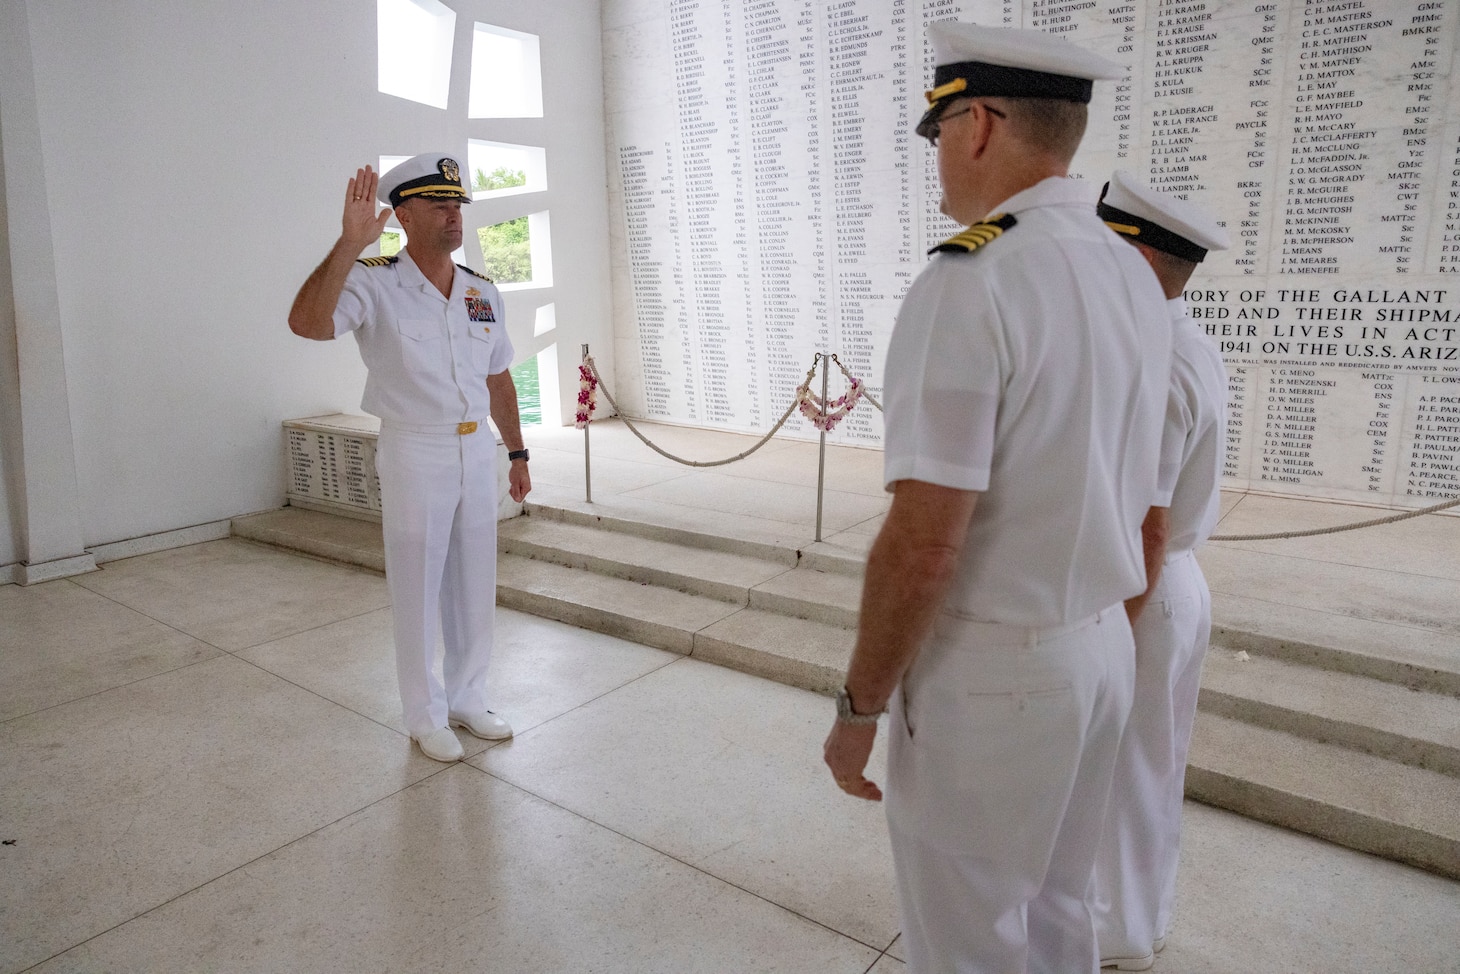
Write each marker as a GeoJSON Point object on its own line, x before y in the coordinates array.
{"type": "Point", "coordinates": [361, 224]}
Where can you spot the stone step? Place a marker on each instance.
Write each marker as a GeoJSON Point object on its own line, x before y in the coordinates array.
{"type": "Point", "coordinates": [637, 611]}
{"type": "Point", "coordinates": [847, 556]}
{"type": "Point", "coordinates": [334, 537]}
{"type": "Point", "coordinates": [1387, 720]}
{"type": "Point", "coordinates": [1417, 656]}
{"type": "Point", "coordinates": [770, 581]}
{"type": "Point", "coordinates": [798, 652]}
{"type": "Point", "coordinates": [828, 597]}
{"type": "Point", "coordinates": [643, 524]}
{"type": "Point", "coordinates": [1358, 800]}
{"type": "Point", "coordinates": [717, 574]}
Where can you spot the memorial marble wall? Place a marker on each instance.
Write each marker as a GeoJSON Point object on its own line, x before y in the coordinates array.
{"type": "Point", "coordinates": [772, 202]}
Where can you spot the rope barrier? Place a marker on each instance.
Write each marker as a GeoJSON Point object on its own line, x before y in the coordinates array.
{"type": "Point", "coordinates": [1278, 535]}
{"type": "Point", "coordinates": [795, 401]}
{"type": "Point", "coordinates": [822, 416]}
{"type": "Point", "coordinates": [1338, 528]}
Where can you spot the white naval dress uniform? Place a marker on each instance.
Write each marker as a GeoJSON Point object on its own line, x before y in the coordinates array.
{"type": "Point", "coordinates": [1135, 874]}
{"type": "Point", "coordinates": [1035, 371]}
{"type": "Point", "coordinates": [428, 358]}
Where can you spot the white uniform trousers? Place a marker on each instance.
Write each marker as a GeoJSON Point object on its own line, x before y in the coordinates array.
{"type": "Point", "coordinates": [1003, 739]}
{"type": "Point", "coordinates": [439, 500]}
{"type": "Point", "coordinates": [1135, 874]}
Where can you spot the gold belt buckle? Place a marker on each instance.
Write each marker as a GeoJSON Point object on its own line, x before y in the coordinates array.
{"type": "Point", "coordinates": [463, 429]}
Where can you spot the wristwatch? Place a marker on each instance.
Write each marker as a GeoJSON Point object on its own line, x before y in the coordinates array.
{"type": "Point", "coordinates": [517, 454]}
{"type": "Point", "coordinates": [847, 715]}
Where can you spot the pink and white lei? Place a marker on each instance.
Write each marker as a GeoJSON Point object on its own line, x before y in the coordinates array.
{"type": "Point", "coordinates": [587, 394]}
{"type": "Point", "coordinates": [823, 415]}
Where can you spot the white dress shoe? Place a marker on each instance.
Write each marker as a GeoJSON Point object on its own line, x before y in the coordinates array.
{"type": "Point", "coordinates": [440, 745]}
{"type": "Point", "coordinates": [1128, 963]}
{"type": "Point", "coordinates": [486, 725]}
{"type": "Point", "coordinates": [1159, 945]}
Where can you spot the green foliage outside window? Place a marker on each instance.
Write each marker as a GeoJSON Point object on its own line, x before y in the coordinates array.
{"type": "Point", "coordinates": [389, 244]}
{"type": "Point", "coordinates": [506, 248]}
{"type": "Point", "coordinates": [507, 251]}
{"type": "Point", "coordinates": [500, 178]}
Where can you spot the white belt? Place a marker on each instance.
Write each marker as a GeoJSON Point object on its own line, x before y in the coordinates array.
{"type": "Point", "coordinates": [434, 429]}
{"type": "Point", "coordinates": [1175, 556]}
{"type": "Point", "coordinates": [1007, 634]}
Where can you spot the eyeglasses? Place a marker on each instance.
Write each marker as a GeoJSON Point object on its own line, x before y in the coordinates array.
{"type": "Point", "coordinates": [936, 129]}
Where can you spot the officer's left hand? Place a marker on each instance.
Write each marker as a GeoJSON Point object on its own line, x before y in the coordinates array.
{"type": "Point", "coordinates": [519, 481]}
{"type": "Point", "coordinates": [846, 751]}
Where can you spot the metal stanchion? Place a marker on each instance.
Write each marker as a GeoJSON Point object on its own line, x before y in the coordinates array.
{"type": "Point", "coordinates": [587, 466]}
{"type": "Point", "coordinates": [821, 460]}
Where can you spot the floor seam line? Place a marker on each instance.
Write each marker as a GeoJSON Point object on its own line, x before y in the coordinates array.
{"type": "Point", "coordinates": [671, 856]}
{"type": "Point", "coordinates": [222, 654]}
{"type": "Point", "coordinates": [228, 872]}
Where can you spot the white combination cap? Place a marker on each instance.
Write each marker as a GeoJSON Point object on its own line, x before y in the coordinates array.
{"type": "Point", "coordinates": [1159, 220]}
{"type": "Point", "coordinates": [430, 175]}
{"type": "Point", "coordinates": [1010, 63]}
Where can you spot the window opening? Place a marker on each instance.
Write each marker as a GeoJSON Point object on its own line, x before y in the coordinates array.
{"type": "Point", "coordinates": [506, 74]}
{"type": "Point", "coordinates": [414, 49]}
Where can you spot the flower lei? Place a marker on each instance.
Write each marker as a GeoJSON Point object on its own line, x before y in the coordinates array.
{"type": "Point", "coordinates": [824, 415]}
{"type": "Point", "coordinates": [587, 394]}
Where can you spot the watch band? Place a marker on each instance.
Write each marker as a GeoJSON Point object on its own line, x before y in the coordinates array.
{"type": "Point", "coordinates": [847, 715]}
{"type": "Point", "coordinates": [517, 454]}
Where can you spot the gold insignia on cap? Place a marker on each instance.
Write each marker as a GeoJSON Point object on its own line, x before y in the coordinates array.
{"type": "Point", "coordinates": [1124, 228]}
{"type": "Point", "coordinates": [450, 170]}
{"type": "Point", "coordinates": [943, 91]}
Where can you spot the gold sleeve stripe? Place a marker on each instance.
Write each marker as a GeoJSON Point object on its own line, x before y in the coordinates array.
{"type": "Point", "coordinates": [977, 235]}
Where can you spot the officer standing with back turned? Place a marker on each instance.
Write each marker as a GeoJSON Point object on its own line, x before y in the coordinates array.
{"type": "Point", "coordinates": [1025, 385]}
{"type": "Point", "coordinates": [1135, 873]}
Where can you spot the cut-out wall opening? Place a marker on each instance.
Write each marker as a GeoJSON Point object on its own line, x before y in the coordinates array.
{"type": "Point", "coordinates": [414, 50]}
{"type": "Point", "coordinates": [506, 74]}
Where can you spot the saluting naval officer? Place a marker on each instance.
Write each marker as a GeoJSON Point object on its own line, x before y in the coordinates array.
{"type": "Point", "coordinates": [434, 340]}
{"type": "Point", "coordinates": [1135, 872]}
{"type": "Point", "coordinates": [1025, 385]}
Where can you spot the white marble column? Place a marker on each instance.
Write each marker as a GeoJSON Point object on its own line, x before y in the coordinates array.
{"type": "Point", "coordinates": [41, 492]}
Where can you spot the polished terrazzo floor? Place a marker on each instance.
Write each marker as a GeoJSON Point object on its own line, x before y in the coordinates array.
{"type": "Point", "coordinates": [204, 770]}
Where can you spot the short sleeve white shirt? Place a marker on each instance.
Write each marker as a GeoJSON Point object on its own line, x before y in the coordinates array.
{"type": "Point", "coordinates": [428, 355]}
{"type": "Point", "coordinates": [1195, 434]}
{"type": "Point", "coordinates": [1035, 370]}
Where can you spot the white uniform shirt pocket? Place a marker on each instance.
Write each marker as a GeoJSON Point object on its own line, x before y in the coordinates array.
{"type": "Point", "coordinates": [423, 346]}
{"type": "Point", "coordinates": [483, 341]}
